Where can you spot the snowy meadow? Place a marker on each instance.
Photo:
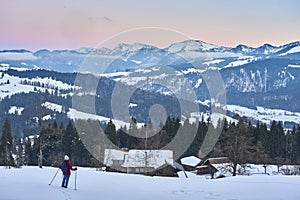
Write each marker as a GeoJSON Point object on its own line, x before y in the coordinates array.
{"type": "Point", "coordinates": [33, 183]}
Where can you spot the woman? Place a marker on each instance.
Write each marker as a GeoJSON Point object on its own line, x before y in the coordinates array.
{"type": "Point", "coordinates": [66, 168]}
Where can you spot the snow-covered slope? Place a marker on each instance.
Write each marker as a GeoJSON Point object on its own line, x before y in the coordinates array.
{"type": "Point", "coordinates": [266, 115]}
{"type": "Point", "coordinates": [10, 85]}
{"type": "Point", "coordinates": [32, 183]}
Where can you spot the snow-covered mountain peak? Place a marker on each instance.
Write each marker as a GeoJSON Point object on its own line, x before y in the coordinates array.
{"type": "Point", "coordinates": [268, 49]}
{"type": "Point", "coordinates": [192, 45]}
{"type": "Point", "coordinates": [243, 48]}
{"type": "Point", "coordinates": [292, 44]}
{"type": "Point", "coordinates": [125, 48]}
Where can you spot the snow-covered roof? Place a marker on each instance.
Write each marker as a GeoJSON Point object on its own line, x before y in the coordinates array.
{"type": "Point", "coordinates": [190, 161]}
{"type": "Point", "coordinates": [139, 158]}
{"type": "Point", "coordinates": [113, 154]}
{"type": "Point", "coordinates": [218, 160]}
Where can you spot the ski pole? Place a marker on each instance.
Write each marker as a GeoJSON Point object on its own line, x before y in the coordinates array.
{"type": "Point", "coordinates": [75, 179]}
{"type": "Point", "coordinates": [54, 176]}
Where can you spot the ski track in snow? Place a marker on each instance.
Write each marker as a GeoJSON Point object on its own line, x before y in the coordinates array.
{"type": "Point", "coordinates": [32, 183]}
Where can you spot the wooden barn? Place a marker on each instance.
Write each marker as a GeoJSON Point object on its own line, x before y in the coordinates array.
{"type": "Point", "coordinates": [190, 163]}
{"type": "Point", "coordinates": [209, 166]}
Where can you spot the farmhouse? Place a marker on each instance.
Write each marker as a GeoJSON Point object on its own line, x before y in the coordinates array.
{"type": "Point", "coordinates": [150, 162]}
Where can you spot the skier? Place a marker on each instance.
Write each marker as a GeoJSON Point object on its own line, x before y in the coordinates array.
{"type": "Point", "coordinates": [66, 168]}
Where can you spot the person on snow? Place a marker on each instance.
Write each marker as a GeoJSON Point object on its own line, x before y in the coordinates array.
{"type": "Point", "coordinates": [66, 168]}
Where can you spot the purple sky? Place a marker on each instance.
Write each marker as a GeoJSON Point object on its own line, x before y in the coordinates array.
{"type": "Point", "coordinates": [70, 24]}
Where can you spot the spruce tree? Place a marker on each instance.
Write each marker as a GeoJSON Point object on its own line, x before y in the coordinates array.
{"type": "Point", "coordinates": [276, 141]}
{"type": "Point", "coordinates": [67, 139]}
{"type": "Point", "coordinates": [110, 132]}
{"type": "Point", "coordinates": [29, 158]}
{"type": "Point", "coordinates": [297, 145]}
{"type": "Point", "coordinates": [6, 145]}
{"type": "Point", "coordinates": [19, 154]}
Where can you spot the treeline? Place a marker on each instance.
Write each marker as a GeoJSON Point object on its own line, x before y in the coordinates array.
{"type": "Point", "coordinates": [46, 149]}
{"type": "Point", "coordinates": [244, 143]}
{"type": "Point", "coordinates": [240, 141]}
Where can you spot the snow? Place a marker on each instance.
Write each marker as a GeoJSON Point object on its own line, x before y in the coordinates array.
{"type": "Point", "coordinates": [293, 50]}
{"type": "Point", "coordinates": [113, 154]}
{"type": "Point", "coordinates": [205, 103]}
{"type": "Point", "coordinates": [115, 74]}
{"type": "Point", "coordinates": [53, 106]}
{"type": "Point", "coordinates": [47, 117]}
{"type": "Point", "coordinates": [211, 62]}
{"type": "Point", "coordinates": [131, 80]}
{"type": "Point", "coordinates": [192, 70]}
{"type": "Point", "coordinates": [214, 117]}
{"type": "Point", "coordinates": [136, 61]}
{"type": "Point", "coordinates": [15, 85]}
{"type": "Point", "coordinates": [15, 109]}
{"type": "Point", "coordinates": [49, 82]}
{"type": "Point", "coordinates": [136, 158]}
{"type": "Point", "coordinates": [198, 83]}
{"type": "Point", "coordinates": [190, 161]}
{"type": "Point", "coordinates": [294, 66]}
{"type": "Point", "coordinates": [32, 183]}
{"type": "Point", "coordinates": [131, 105]}
{"type": "Point", "coordinates": [191, 45]}
{"type": "Point", "coordinates": [17, 56]}
{"type": "Point", "coordinates": [3, 65]}
{"type": "Point", "coordinates": [75, 114]}
{"type": "Point", "coordinates": [155, 158]}
{"type": "Point", "coordinates": [266, 115]}
{"type": "Point", "coordinates": [241, 61]}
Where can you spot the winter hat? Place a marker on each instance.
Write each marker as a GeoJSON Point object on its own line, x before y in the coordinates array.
{"type": "Point", "coordinates": [66, 157]}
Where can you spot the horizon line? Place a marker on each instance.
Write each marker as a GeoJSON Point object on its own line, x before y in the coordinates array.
{"type": "Point", "coordinates": [132, 43]}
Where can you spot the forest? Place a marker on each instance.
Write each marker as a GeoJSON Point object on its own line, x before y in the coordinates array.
{"type": "Point", "coordinates": [241, 142]}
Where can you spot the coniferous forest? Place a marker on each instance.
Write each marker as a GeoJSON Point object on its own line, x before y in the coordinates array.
{"type": "Point", "coordinates": [241, 142]}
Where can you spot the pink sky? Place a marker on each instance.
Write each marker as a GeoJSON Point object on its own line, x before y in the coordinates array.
{"type": "Point", "coordinates": [66, 24]}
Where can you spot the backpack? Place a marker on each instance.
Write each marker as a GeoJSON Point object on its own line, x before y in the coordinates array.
{"type": "Point", "coordinates": [64, 167]}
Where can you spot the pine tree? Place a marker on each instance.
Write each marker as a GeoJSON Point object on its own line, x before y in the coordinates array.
{"type": "Point", "coordinates": [52, 144]}
{"type": "Point", "coordinates": [6, 146]}
{"type": "Point", "coordinates": [67, 139]}
{"type": "Point", "coordinates": [275, 142]}
{"type": "Point", "coordinates": [110, 132]}
{"type": "Point", "coordinates": [73, 146]}
{"type": "Point", "coordinates": [19, 154]}
{"type": "Point", "coordinates": [198, 140]}
{"type": "Point", "coordinates": [29, 158]}
{"type": "Point", "coordinates": [297, 145]}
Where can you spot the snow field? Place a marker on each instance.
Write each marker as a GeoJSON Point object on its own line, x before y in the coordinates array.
{"type": "Point", "coordinates": [32, 183]}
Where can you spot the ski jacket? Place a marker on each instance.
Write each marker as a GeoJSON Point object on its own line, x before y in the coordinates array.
{"type": "Point", "coordinates": [69, 167]}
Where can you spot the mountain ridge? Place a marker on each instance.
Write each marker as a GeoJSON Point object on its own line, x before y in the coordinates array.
{"type": "Point", "coordinates": [201, 42]}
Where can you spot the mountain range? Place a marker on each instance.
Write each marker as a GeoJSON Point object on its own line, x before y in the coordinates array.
{"type": "Point", "coordinates": [129, 56]}
{"type": "Point", "coordinates": [260, 83]}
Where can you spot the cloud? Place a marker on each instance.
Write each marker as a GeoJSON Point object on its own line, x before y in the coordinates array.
{"type": "Point", "coordinates": [107, 18]}
{"type": "Point", "coordinates": [100, 18]}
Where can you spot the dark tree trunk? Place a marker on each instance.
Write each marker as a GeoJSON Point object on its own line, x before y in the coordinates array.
{"type": "Point", "coordinates": [234, 169]}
